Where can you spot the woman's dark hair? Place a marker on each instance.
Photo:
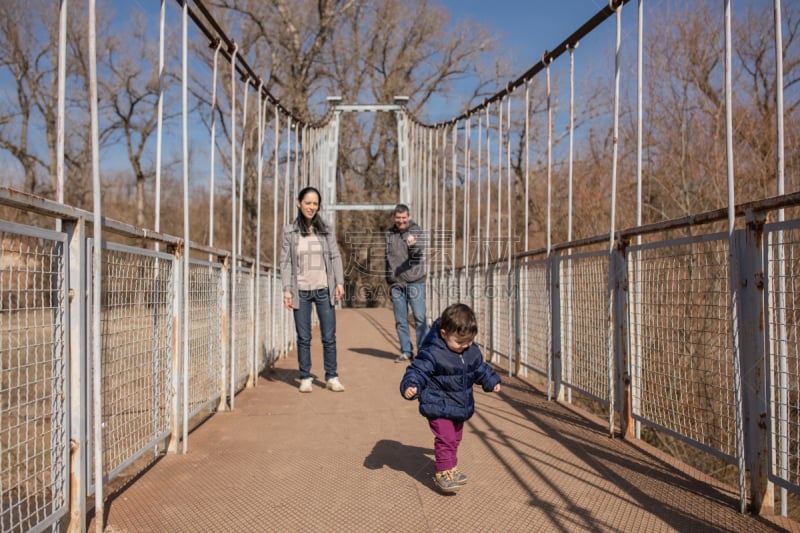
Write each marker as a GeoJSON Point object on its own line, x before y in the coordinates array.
{"type": "Point", "coordinates": [459, 319]}
{"type": "Point", "coordinates": [317, 223]}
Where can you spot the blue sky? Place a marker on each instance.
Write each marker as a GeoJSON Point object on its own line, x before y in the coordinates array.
{"type": "Point", "coordinates": [526, 28]}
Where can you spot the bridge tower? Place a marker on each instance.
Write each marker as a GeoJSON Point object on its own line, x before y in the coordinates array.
{"type": "Point", "coordinates": [330, 163]}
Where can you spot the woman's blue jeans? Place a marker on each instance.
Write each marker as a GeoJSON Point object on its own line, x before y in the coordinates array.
{"type": "Point", "coordinates": [327, 327]}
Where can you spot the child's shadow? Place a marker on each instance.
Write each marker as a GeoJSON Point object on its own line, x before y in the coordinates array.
{"type": "Point", "coordinates": [415, 461]}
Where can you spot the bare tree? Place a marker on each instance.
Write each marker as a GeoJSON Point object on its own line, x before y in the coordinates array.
{"type": "Point", "coordinates": [132, 89]}
{"type": "Point", "coordinates": [684, 135]}
{"type": "Point", "coordinates": [29, 53]}
{"type": "Point", "coordinates": [365, 52]}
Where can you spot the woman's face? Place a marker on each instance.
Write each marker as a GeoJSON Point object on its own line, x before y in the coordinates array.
{"type": "Point", "coordinates": [309, 205]}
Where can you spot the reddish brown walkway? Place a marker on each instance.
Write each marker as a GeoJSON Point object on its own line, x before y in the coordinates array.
{"type": "Point", "coordinates": [362, 460]}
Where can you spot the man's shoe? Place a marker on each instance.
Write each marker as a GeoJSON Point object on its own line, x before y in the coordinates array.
{"type": "Point", "coordinates": [458, 476]}
{"type": "Point", "coordinates": [305, 384]}
{"type": "Point", "coordinates": [445, 481]}
{"type": "Point", "coordinates": [334, 385]}
{"type": "Point", "coordinates": [403, 358]}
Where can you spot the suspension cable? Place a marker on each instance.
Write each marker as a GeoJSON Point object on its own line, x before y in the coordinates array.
{"type": "Point", "coordinates": [479, 162]}
{"type": "Point", "coordinates": [233, 227]}
{"type": "Point", "coordinates": [97, 287]}
{"type": "Point", "coordinates": [501, 140]}
{"type": "Point", "coordinates": [443, 226]}
{"type": "Point", "coordinates": [212, 149]}
{"type": "Point", "coordinates": [242, 178]}
{"type": "Point", "coordinates": [548, 94]}
{"type": "Point", "coordinates": [454, 178]}
{"type": "Point", "coordinates": [186, 226]}
{"type": "Point", "coordinates": [467, 199]}
{"type": "Point", "coordinates": [527, 160]}
{"type": "Point", "coordinates": [783, 368]}
{"type": "Point", "coordinates": [260, 174]}
{"type": "Point", "coordinates": [488, 185]}
{"type": "Point", "coordinates": [160, 112]}
{"type": "Point", "coordinates": [275, 229]}
{"type": "Point", "coordinates": [62, 84]}
{"type": "Point", "coordinates": [614, 159]}
{"type": "Point", "coordinates": [509, 184]}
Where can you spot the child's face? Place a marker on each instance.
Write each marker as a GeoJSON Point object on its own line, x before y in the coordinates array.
{"type": "Point", "coordinates": [457, 343]}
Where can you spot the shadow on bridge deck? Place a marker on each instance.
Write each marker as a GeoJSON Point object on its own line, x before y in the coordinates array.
{"type": "Point", "coordinates": [362, 460]}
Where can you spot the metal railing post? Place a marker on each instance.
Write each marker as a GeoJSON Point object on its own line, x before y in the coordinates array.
{"type": "Point", "coordinates": [517, 348]}
{"type": "Point", "coordinates": [251, 381]}
{"type": "Point", "coordinates": [755, 408]}
{"type": "Point", "coordinates": [79, 411]}
{"type": "Point", "coordinates": [181, 258]}
{"type": "Point", "coordinates": [554, 359]}
{"type": "Point", "coordinates": [622, 341]}
{"type": "Point", "coordinates": [226, 325]}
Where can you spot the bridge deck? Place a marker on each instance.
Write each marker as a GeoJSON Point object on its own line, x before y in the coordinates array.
{"type": "Point", "coordinates": [362, 460]}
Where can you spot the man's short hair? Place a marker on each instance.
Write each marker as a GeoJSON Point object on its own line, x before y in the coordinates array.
{"type": "Point", "coordinates": [401, 208]}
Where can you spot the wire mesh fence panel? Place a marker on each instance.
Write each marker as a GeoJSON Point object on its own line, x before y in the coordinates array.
{"type": "Point", "coordinates": [681, 341]}
{"type": "Point", "coordinates": [535, 312]}
{"type": "Point", "coordinates": [584, 348]}
{"type": "Point", "coordinates": [34, 432]}
{"type": "Point", "coordinates": [501, 295]}
{"type": "Point", "coordinates": [476, 284]}
{"type": "Point", "coordinates": [206, 351]}
{"type": "Point", "coordinates": [275, 317]}
{"type": "Point", "coordinates": [137, 357]}
{"type": "Point", "coordinates": [242, 324]}
{"type": "Point", "coordinates": [265, 348]}
{"type": "Point", "coordinates": [783, 349]}
{"type": "Point", "coordinates": [436, 295]}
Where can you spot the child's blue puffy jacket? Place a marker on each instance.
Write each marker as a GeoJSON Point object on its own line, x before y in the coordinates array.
{"type": "Point", "coordinates": [444, 378]}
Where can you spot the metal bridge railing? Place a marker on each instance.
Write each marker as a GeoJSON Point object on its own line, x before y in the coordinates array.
{"type": "Point", "coordinates": [151, 391]}
{"type": "Point", "coordinates": [34, 391]}
{"type": "Point", "coordinates": [647, 331]}
{"type": "Point", "coordinates": [782, 304]}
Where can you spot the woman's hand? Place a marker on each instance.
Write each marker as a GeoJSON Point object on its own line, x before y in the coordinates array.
{"type": "Point", "coordinates": [287, 300]}
{"type": "Point", "coordinates": [338, 294]}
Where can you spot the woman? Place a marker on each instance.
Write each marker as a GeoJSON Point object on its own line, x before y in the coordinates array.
{"type": "Point", "coordinates": [311, 271]}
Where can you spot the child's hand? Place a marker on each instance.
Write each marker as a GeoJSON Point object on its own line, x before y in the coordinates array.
{"type": "Point", "coordinates": [496, 388]}
{"type": "Point", "coordinates": [410, 393]}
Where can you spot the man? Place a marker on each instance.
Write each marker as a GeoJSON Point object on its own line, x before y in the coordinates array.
{"type": "Point", "coordinates": [405, 274]}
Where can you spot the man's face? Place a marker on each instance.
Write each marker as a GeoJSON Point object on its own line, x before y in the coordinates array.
{"type": "Point", "coordinates": [401, 221]}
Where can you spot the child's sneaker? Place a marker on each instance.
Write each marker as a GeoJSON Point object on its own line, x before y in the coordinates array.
{"type": "Point", "coordinates": [458, 476]}
{"type": "Point", "coordinates": [445, 481]}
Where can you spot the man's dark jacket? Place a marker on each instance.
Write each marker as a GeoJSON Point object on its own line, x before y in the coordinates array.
{"type": "Point", "coordinates": [405, 264]}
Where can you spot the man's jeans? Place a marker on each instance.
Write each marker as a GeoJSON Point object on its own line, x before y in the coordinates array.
{"type": "Point", "coordinates": [412, 295]}
{"type": "Point", "coordinates": [327, 327]}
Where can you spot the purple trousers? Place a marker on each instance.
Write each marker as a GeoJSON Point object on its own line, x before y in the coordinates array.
{"type": "Point", "coordinates": [446, 438]}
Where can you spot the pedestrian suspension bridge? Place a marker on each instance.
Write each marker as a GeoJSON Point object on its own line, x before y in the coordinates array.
{"type": "Point", "coordinates": [149, 380]}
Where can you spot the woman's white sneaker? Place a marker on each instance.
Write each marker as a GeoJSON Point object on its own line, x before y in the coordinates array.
{"type": "Point", "coordinates": [305, 384]}
{"type": "Point", "coordinates": [334, 385]}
